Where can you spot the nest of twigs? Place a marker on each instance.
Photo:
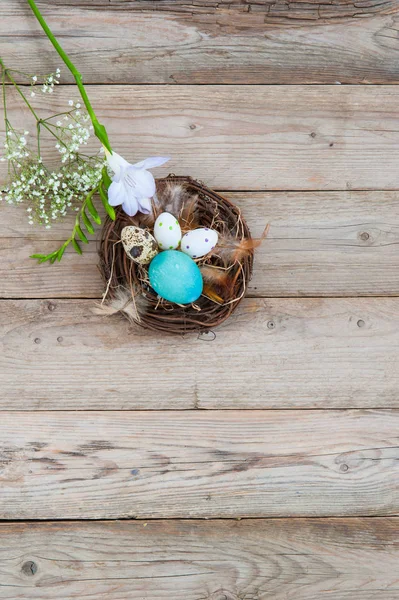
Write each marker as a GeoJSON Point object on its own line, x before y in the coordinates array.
{"type": "Point", "coordinates": [226, 272]}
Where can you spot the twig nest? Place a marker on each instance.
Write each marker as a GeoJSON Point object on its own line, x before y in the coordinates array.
{"type": "Point", "coordinates": [139, 244]}
{"type": "Point", "coordinates": [224, 270]}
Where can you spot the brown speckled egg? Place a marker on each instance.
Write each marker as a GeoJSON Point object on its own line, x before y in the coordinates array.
{"type": "Point", "coordinates": [139, 244]}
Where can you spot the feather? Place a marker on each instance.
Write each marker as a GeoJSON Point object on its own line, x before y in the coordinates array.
{"type": "Point", "coordinates": [171, 198]}
{"type": "Point", "coordinates": [123, 302]}
{"type": "Point", "coordinates": [212, 295]}
{"type": "Point", "coordinates": [231, 250]}
{"type": "Point", "coordinates": [215, 276]}
{"type": "Point", "coordinates": [218, 283]}
{"type": "Point", "coordinates": [189, 214]}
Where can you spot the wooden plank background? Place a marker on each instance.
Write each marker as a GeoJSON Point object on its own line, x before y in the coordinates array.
{"type": "Point", "coordinates": [283, 429]}
{"type": "Point", "coordinates": [250, 137]}
{"type": "Point", "coordinates": [187, 560]}
{"type": "Point", "coordinates": [339, 353]}
{"type": "Point", "coordinates": [319, 244]}
{"type": "Point", "coordinates": [199, 464]}
{"type": "Point", "coordinates": [210, 41]}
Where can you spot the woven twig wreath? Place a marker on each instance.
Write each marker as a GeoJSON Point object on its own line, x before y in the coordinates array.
{"type": "Point", "coordinates": [127, 286]}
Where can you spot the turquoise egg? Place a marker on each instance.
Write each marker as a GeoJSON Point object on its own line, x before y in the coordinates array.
{"type": "Point", "coordinates": [175, 277]}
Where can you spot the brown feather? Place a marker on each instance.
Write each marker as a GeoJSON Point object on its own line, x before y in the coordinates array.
{"type": "Point", "coordinates": [188, 215]}
{"type": "Point", "coordinates": [212, 295]}
{"type": "Point", "coordinates": [214, 276]}
{"type": "Point", "coordinates": [171, 198]}
{"type": "Point", "coordinates": [217, 283]}
{"type": "Point", "coordinates": [231, 249]}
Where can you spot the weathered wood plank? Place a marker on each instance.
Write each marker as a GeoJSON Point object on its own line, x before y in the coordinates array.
{"type": "Point", "coordinates": [319, 244]}
{"type": "Point", "coordinates": [272, 354]}
{"type": "Point", "coordinates": [209, 42]}
{"type": "Point", "coordinates": [252, 137]}
{"type": "Point", "coordinates": [187, 560]}
{"type": "Point", "coordinates": [199, 464]}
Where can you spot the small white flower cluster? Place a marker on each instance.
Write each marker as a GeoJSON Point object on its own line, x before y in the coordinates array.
{"type": "Point", "coordinates": [51, 194]}
{"type": "Point", "coordinates": [15, 147]}
{"type": "Point", "coordinates": [48, 84]}
{"type": "Point", "coordinates": [73, 132]}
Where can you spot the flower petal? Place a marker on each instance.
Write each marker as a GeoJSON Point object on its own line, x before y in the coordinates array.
{"type": "Point", "coordinates": [140, 181]}
{"type": "Point", "coordinates": [130, 206]}
{"type": "Point", "coordinates": [117, 193]}
{"type": "Point", "coordinates": [116, 162]}
{"type": "Point", "coordinates": [152, 161]}
{"type": "Point", "coordinates": [145, 206]}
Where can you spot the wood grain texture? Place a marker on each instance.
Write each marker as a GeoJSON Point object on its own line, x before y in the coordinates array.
{"type": "Point", "coordinates": [190, 560]}
{"type": "Point", "coordinates": [199, 464]}
{"type": "Point", "coordinates": [258, 42]}
{"type": "Point", "coordinates": [319, 244]}
{"type": "Point", "coordinates": [280, 353]}
{"type": "Point", "coordinates": [251, 137]}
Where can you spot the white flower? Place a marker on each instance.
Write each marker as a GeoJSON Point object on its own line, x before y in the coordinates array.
{"type": "Point", "coordinates": [132, 185]}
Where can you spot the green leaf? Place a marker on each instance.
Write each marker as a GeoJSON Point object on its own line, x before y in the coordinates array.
{"type": "Point", "coordinates": [106, 179]}
{"type": "Point", "coordinates": [87, 222]}
{"type": "Point", "coordinates": [38, 256]}
{"type": "Point", "coordinates": [61, 251]}
{"type": "Point", "coordinates": [41, 258]}
{"type": "Point", "coordinates": [76, 246]}
{"type": "Point", "coordinates": [101, 133]}
{"type": "Point", "coordinates": [81, 234]}
{"type": "Point", "coordinates": [109, 209]}
{"type": "Point", "coordinates": [92, 210]}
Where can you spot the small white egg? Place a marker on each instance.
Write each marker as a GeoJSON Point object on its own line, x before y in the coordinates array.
{"type": "Point", "coordinates": [199, 242]}
{"type": "Point", "coordinates": [167, 231]}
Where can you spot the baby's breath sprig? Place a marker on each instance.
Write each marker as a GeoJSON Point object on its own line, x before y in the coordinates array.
{"type": "Point", "coordinates": [83, 222]}
{"type": "Point", "coordinates": [51, 193]}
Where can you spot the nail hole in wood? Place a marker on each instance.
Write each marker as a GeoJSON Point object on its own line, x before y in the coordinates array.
{"type": "Point", "coordinates": [29, 568]}
{"type": "Point", "coordinates": [37, 340]}
{"type": "Point", "coordinates": [271, 325]}
{"type": "Point", "coordinates": [361, 323]}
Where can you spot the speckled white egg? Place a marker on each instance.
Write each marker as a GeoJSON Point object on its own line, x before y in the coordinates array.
{"type": "Point", "coordinates": [199, 242]}
{"type": "Point", "coordinates": [167, 231]}
{"type": "Point", "coordinates": [139, 244]}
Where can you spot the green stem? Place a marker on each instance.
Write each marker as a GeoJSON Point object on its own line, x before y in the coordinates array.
{"type": "Point", "coordinates": [99, 129]}
{"type": "Point", "coordinates": [22, 95]}
{"type": "Point", "coordinates": [3, 81]}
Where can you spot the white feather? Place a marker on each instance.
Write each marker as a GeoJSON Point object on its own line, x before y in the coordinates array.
{"type": "Point", "coordinates": [123, 302]}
